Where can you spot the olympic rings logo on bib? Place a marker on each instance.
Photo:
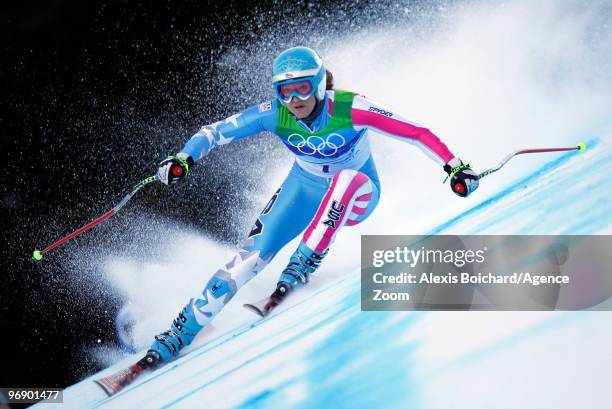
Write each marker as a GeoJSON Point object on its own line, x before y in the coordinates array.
{"type": "Point", "coordinates": [312, 145]}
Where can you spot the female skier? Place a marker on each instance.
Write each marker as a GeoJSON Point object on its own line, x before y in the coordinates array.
{"type": "Point", "coordinates": [333, 182]}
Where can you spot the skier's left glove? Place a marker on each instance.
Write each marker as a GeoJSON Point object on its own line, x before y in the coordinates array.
{"type": "Point", "coordinates": [174, 168]}
{"type": "Point", "coordinates": [463, 179]}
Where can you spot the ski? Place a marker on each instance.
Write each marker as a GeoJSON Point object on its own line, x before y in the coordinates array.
{"type": "Point", "coordinates": [116, 382]}
{"type": "Point", "coordinates": [119, 380]}
{"type": "Point", "coordinates": [264, 307]}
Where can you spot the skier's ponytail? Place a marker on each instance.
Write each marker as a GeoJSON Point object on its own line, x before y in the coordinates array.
{"type": "Point", "coordinates": [329, 81]}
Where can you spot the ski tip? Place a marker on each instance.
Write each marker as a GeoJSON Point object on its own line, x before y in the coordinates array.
{"type": "Point", "coordinates": [254, 309]}
{"type": "Point", "coordinates": [582, 147]}
{"type": "Point", "coordinates": [116, 382]}
{"type": "Point", "coordinates": [107, 386]}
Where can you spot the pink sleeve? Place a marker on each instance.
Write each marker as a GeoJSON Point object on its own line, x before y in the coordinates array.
{"type": "Point", "coordinates": [367, 114]}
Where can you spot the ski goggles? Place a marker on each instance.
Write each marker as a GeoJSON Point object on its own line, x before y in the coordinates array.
{"type": "Point", "coordinates": [301, 88]}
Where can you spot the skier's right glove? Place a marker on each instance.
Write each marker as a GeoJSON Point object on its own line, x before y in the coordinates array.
{"type": "Point", "coordinates": [174, 168]}
{"type": "Point", "coordinates": [463, 179]}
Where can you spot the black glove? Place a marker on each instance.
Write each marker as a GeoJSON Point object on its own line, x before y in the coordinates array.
{"type": "Point", "coordinates": [173, 169]}
{"type": "Point", "coordinates": [463, 179]}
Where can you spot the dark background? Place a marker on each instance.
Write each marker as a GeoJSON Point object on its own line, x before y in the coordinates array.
{"type": "Point", "coordinates": [93, 95]}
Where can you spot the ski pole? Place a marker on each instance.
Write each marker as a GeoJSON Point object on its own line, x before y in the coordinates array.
{"type": "Point", "coordinates": [38, 254]}
{"type": "Point", "coordinates": [581, 147]}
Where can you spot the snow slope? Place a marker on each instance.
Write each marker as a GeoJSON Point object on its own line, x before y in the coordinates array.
{"type": "Point", "coordinates": [320, 350]}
